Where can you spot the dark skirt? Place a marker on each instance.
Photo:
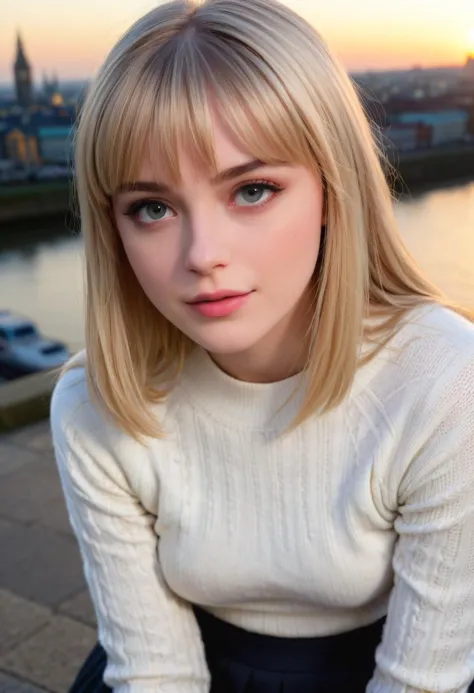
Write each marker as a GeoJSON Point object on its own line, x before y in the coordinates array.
{"type": "Point", "coordinates": [243, 662]}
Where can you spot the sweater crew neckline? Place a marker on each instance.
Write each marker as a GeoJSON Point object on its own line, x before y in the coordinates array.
{"type": "Point", "coordinates": [240, 403]}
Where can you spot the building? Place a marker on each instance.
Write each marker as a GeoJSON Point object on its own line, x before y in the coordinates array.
{"type": "Point", "coordinates": [38, 138]}
{"type": "Point", "coordinates": [468, 71]}
{"type": "Point", "coordinates": [3, 144]}
{"type": "Point", "coordinates": [22, 73]}
{"type": "Point", "coordinates": [447, 127]}
{"type": "Point", "coordinates": [22, 146]}
{"type": "Point", "coordinates": [50, 94]}
{"type": "Point", "coordinates": [55, 142]}
{"type": "Point", "coordinates": [50, 87]}
{"type": "Point", "coordinates": [18, 140]}
{"type": "Point", "coordinates": [406, 137]}
{"type": "Point", "coordinates": [36, 128]}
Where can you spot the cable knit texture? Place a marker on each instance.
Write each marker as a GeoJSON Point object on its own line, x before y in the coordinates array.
{"type": "Point", "coordinates": [360, 512]}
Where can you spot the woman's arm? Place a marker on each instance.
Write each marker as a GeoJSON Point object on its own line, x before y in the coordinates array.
{"type": "Point", "coordinates": [151, 637]}
{"type": "Point", "coordinates": [428, 643]}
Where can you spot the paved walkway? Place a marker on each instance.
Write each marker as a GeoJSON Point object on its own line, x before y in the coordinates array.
{"type": "Point", "coordinates": [46, 618]}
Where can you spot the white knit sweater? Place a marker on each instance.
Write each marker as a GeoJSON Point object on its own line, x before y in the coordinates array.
{"type": "Point", "coordinates": [364, 510]}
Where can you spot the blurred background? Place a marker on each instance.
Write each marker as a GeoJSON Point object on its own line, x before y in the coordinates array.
{"type": "Point", "coordinates": [413, 63]}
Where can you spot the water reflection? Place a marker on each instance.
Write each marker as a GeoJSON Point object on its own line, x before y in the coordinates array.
{"type": "Point", "coordinates": [24, 237]}
{"type": "Point", "coordinates": [41, 265]}
{"type": "Point", "coordinates": [43, 279]}
{"type": "Point", "coordinates": [438, 228]}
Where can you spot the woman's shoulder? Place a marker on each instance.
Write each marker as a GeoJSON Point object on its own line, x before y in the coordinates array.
{"type": "Point", "coordinates": [71, 397]}
{"type": "Point", "coordinates": [444, 323]}
{"type": "Point", "coordinates": [431, 356]}
{"type": "Point", "coordinates": [434, 337]}
{"type": "Point", "coordinates": [90, 446]}
{"type": "Point", "coordinates": [76, 415]}
{"type": "Point", "coordinates": [432, 347]}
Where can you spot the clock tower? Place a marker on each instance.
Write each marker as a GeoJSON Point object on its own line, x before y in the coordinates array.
{"type": "Point", "coordinates": [22, 72]}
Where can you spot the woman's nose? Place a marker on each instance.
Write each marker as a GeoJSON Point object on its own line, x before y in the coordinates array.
{"type": "Point", "coordinates": [206, 246]}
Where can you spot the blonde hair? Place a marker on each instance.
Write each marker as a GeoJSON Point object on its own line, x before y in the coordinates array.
{"type": "Point", "coordinates": [286, 98]}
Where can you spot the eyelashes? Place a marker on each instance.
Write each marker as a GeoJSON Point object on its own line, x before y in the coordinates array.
{"type": "Point", "coordinates": [136, 207]}
{"type": "Point", "coordinates": [262, 186]}
{"type": "Point", "coordinates": [158, 209]}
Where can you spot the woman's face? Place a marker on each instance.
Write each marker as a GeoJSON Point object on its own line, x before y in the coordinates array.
{"type": "Point", "coordinates": [228, 259]}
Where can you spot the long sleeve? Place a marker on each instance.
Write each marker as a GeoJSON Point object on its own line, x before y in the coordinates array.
{"type": "Point", "coordinates": [428, 643]}
{"type": "Point", "coordinates": [151, 637]}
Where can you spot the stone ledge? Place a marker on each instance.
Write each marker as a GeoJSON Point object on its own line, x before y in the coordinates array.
{"type": "Point", "coordinates": [26, 400]}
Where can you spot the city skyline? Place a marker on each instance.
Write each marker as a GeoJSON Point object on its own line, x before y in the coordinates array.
{"type": "Point", "coordinates": [398, 35]}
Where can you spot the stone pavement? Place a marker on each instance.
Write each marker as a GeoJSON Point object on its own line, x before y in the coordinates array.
{"type": "Point", "coordinates": [46, 618]}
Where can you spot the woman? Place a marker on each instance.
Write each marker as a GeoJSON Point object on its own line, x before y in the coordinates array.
{"type": "Point", "coordinates": [267, 449]}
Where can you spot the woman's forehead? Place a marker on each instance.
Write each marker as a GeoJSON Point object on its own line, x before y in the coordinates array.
{"type": "Point", "coordinates": [228, 156]}
{"type": "Point", "coordinates": [166, 151]}
{"type": "Point", "coordinates": [222, 153]}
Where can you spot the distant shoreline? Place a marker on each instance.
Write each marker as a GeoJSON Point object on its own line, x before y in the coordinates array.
{"type": "Point", "coordinates": [35, 200]}
{"type": "Point", "coordinates": [415, 172]}
{"type": "Point", "coordinates": [430, 168]}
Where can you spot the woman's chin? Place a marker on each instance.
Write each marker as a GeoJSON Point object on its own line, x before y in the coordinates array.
{"type": "Point", "coordinates": [225, 341]}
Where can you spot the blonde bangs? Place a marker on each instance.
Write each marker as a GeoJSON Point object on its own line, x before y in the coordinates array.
{"type": "Point", "coordinates": [165, 107]}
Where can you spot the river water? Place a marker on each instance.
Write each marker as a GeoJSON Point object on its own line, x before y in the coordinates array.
{"type": "Point", "coordinates": [41, 265]}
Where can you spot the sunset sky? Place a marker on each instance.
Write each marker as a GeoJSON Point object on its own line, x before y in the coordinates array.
{"type": "Point", "coordinates": [74, 37]}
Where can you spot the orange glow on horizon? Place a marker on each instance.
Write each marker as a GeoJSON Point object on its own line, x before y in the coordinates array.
{"type": "Point", "coordinates": [471, 41]}
{"type": "Point", "coordinates": [81, 57]}
{"type": "Point", "coordinates": [396, 50]}
{"type": "Point", "coordinates": [371, 38]}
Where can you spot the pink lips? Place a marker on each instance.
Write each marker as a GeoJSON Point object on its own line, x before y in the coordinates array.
{"type": "Point", "coordinates": [220, 304]}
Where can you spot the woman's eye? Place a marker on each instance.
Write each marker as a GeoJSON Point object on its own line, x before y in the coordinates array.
{"type": "Point", "coordinates": [150, 212]}
{"type": "Point", "coordinates": [255, 194]}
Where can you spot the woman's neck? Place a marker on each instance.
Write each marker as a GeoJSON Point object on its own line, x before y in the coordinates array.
{"type": "Point", "coordinates": [280, 354]}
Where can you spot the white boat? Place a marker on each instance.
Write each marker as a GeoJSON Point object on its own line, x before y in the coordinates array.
{"type": "Point", "coordinates": [24, 350]}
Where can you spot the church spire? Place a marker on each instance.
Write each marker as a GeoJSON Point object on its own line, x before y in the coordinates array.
{"type": "Point", "coordinates": [21, 61]}
{"type": "Point", "coordinates": [22, 71]}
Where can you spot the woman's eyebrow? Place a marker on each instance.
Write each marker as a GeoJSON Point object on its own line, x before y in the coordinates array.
{"type": "Point", "coordinates": [143, 186]}
{"type": "Point", "coordinates": [221, 177]}
{"type": "Point", "coordinates": [236, 171]}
